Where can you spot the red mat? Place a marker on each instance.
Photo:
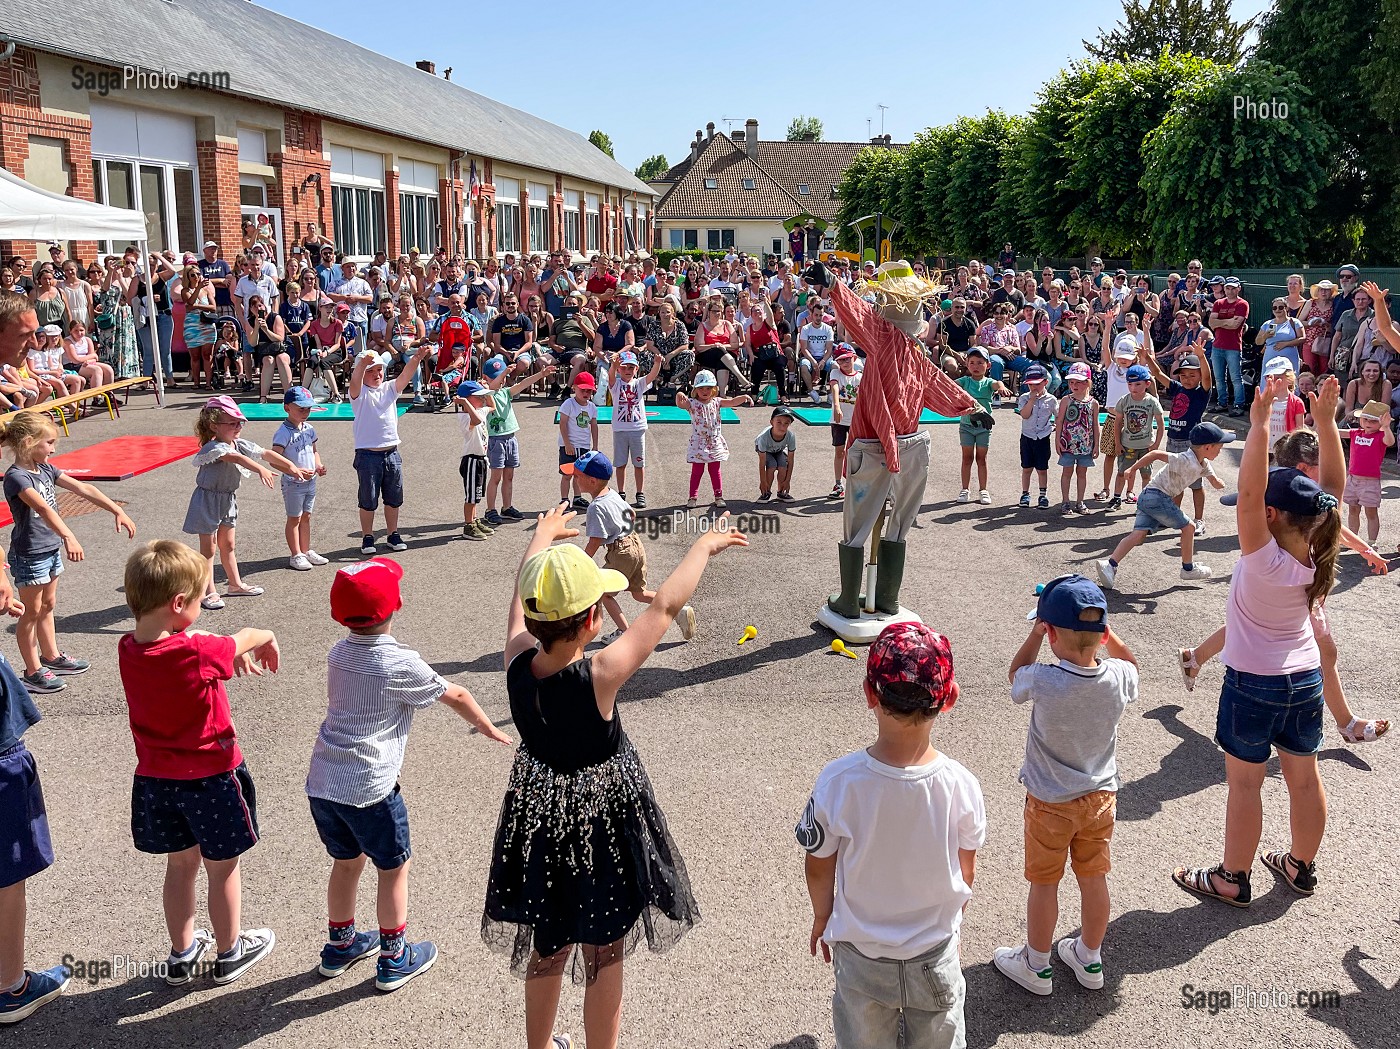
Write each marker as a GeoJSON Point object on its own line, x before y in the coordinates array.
{"type": "Point", "coordinates": [124, 457]}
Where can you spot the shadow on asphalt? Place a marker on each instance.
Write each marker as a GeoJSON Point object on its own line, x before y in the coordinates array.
{"type": "Point", "coordinates": [802, 1041]}
{"type": "Point", "coordinates": [651, 682]}
{"type": "Point", "coordinates": [1367, 1016]}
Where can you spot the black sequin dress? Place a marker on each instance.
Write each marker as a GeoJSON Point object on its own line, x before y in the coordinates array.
{"type": "Point", "coordinates": [582, 853]}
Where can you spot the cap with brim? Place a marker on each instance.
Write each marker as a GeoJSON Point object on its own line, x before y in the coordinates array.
{"type": "Point", "coordinates": [1348, 267]}
{"type": "Point", "coordinates": [211, 244]}
{"type": "Point", "coordinates": [366, 593]}
{"type": "Point", "coordinates": [703, 379]}
{"type": "Point", "coordinates": [978, 351]}
{"type": "Point", "coordinates": [493, 367]}
{"type": "Point", "coordinates": [1125, 350]}
{"type": "Point", "coordinates": [50, 329]}
{"type": "Point", "coordinates": [1373, 410]}
{"type": "Point", "coordinates": [782, 412]}
{"type": "Point", "coordinates": [301, 397]}
{"type": "Point", "coordinates": [1036, 373]}
{"type": "Point", "coordinates": [472, 389]}
{"type": "Point", "coordinates": [590, 464]}
{"type": "Point", "coordinates": [1078, 372]}
{"type": "Point", "coordinates": [1063, 601]}
{"type": "Point", "coordinates": [1232, 282]}
{"type": "Point", "coordinates": [1277, 366]}
{"type": "Point", "coordinates": [1138, 373]}
{"type": "Point", "coordinates": [1322, 285]}
{"type": "Point", "coordinates": [626, 357]}
{"type": "Point", "coordinates": [227, 405]}
{"type": "Point", "coordinates": [1216, 280]}
{"type": "Point", "coordinates": [342, 307]}
{"type": "Point", "coordinates": [1209, 433]}
{"type": "Point", "coordinates": [376, 360]}
{"type": "Point", "coordinates": [844, 352]}
{"type": "Point", "coordinates": [1121, 273]}
{"type": "Point", "coordinates": [1294, 492]}
{"type": "Point", "coordinates": [1096, 261]}
{"type": "Point", "coordinates": [563, 581]}
{"type": "Point", "coordinates": [584, 381]}
{"type": "Point", "coordinates": [912, 653]}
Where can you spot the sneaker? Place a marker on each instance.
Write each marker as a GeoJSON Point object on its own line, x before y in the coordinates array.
{"type": "Point", "coordinates": [1228, 499]}
{"type": "Point", "coordinates": [1235, 411]}
{"type": "Point", "coordinates": [964, 496]}
{"type": "Point", "coordinates": [418, 400]}
{"type": "Point", "coordinates": [561, 1041]}
{"type": "Point", "coordinates": [470, 531]}
{"type": "Point", "coordinates": [580, 503]}
{"type": "Point", "coordinates": [785, 496]}
{"type": "Point", "coordinates": [1116, 503]}
{"type": "Point", "coordinates": [1025, 499]}
{"type": "Point", "coordinates": [608, 639]}
{"type": "Point", "coordinates": [396, 542]}
{"type": "Point", "coordinates": [316, 559]}
{"type": "Point", "coordinates": [1043, 502]}
{"type": "Point", "coordinates": [1090, 975]}
{"type": "Point", "coordinates": [1067, 509]}
{"type": "Point", "coordinates": [38, 989]}
{"type": "Point", "coordinates": [1080, 508]}
{"type": "Point", "coordinates": [1130, 499]}
{"type": "Point", "coordinates": [1200, 528]}
{"type": "Point", "coordinates": [65, 666]}
{"type": "Point", "coordinates": [256, 945]}
{"type": "Point", "coordinates": [685, 620]}
{"type": "Point", "coordinates": [483, 527]}
{"type": "Point", "coordinates": [180, 971]}
{"type": "Point", "coordinates": [720, 504]}
{"type": "Point", "coordinates": [1106, 572]}
{"type": "Point", "coordinates": [641, 501]}
{"type": "Point", "coordinates": [336, 958]}
{"type": "Point", "coordinates": [690, 503]}
{"type": "Point", "coordinates": [763, 497]}
{"type": "Point", "coordinates": [510, 513]}
{"type": "Point", "coordinates": [414, 960]}
{"type": "Point", "coordinates": [1014, 965]}
{"type": "Point", "coordinates": [43, 681]}
{"type": "Point", "coordinates": [984, 497]}
{"type": "Point", "coordinates": [1196, 571]}
{"type": "Point", "coordinates": [299, 563]}
{"type": "Point", "coordinates": [367, 545]}
{"type": "Point", "coordinates": [493, 519]}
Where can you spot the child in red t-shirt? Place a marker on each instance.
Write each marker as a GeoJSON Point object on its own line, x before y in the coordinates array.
{"type": "Point", "coordinates": [192, 798]}
{"type": "Point", "coordinates": [1368, 444]}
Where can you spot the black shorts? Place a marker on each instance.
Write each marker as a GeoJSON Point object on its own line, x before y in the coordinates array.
{"type": "Point", "coordinates": [711, 358]}
{"type": "Point", "coordinates": [217, 813]}
{"type": "Point", "coordinates": [838, 435]}
{"type": "Point", "coordinates": [1035, 453]}
{"type": "Point", "coordinates": [565, 458]}
{"type": "Point", "coordinates": [473, 470]}
{"type": "Point", "coordinates": [379, 831]}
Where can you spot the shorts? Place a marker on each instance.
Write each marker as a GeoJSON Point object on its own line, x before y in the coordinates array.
{"type": "Point", "coordinates": [1128, 458]}
{"type": "Point", "coordinates": [1108, 439]}
{"type": "Point", "coordinates": [503, 451]}
{"type": "Point", "coordinates": [775, 460]}
{"type": "Point", "coordinates": [217, 813]}
{"type": "Point", "coordinates": [629, 557]}
{"type": "Point", "coordinates": [839, 434]}
{"type": "Point", "coordinates": [1080, 828]}
{"type": "Point", "coordinates": [1155, 509]}
{"type": "Point", "coordinates": [39, 569]}
{"type": "Point", "coordinates": [974, 436]}
{"type": "Point", "coordinates": [565, 458]}
{"type": "Point", "coordinates": [381, 473]}
{"type": "Point", "coordinates": [1068, 459]}
{"type": "Point", "coordinates": [473, 469]}
{"type": "Point", "coordinates": [1035, 453]}
{"type": "Point", "coordinates": [379, 831]}
{"type": "Point", "coordinates": [298, 497]}
{"type": "Point", "coordinates": [1360, 491]}
{"type": "Point", "coordinates": [25, 846]}
{"type": "Point", "coordinates": [266, 351]}
{"type": "Point", "coordinates": [630, 447]}
{"type": "Point", "coordinates": [876, 998]}
{"type": "Point", "coordinates": [1185, 446]}
{"type": "Point", "coordinates": [1260, 711]}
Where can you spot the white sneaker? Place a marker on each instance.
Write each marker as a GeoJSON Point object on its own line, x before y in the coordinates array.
{"type": "Point", "coordinates": [317, 559]}
{"type": "Point", "coordinates": [964, 496]}
{"type": "Point", "coordinates": [1014, 965]}
{"type": "Point", "coordinates": [1089, 975]}
{"type": "Point", "coordinates": [984, 497]}
{"type": "Point", "coordinates": [299, 563]}
{"type": "Point", "coordinates": [1200, 528]}
{"type": "Point", "coordinates": [1106, 572]}
{"type": "Point", "coordinates": [685, 620]}
{"type": "Point", "coordinates": [1196, 571]}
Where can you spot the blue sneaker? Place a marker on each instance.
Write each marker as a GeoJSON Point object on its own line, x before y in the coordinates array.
{"type": "Point", "coordinates": [416, 959]}
{"type": "Point", "coordinates": [39, 989]}
{"type": "Point", "coordinates": [336, 958]}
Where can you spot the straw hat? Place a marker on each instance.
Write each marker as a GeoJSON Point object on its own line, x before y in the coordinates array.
{"type": "Point", "coordinates": [1322, 285]}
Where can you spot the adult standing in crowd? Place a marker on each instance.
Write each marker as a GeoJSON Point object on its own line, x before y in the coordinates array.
{"type": "Point", "coordinates": [1228, 317]}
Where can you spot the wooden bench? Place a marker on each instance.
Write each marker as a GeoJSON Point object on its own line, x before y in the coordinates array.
{"type": "Point", "coordinates": [77, 401]}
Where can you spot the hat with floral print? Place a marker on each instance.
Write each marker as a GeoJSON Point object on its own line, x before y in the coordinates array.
{"type": "Point", "coordinates": [916, 654]}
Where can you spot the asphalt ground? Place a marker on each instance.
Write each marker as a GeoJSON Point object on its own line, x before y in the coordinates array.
{"type": "Point", "coordinates": [733, 739]}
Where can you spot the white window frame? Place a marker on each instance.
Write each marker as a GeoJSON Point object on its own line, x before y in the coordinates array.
{"type": "Point", "coordinates": [571, 220]}
{"type": "Point", "coordinates": [750, 183]}
{"type": "Point", "coordinates": [804, 189]}
{"type": "Point", "coordinates": [712, 183]}
{"type": "Point", "coordinates": [169, 212]}
{"type": "Point", "coordinates": [358, 202]}
{"type": "Point", "coordinates": [715, 238]}
{"type": "Point", "coordinates": [507, 216]}
{"type": "Point", "coordinates": [594, 223]}
{"type": "Point", "coordinates": [539, 216]}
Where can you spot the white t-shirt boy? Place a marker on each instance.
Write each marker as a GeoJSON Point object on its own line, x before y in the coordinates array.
{"type": "Point", "coordinates": [579, 418]}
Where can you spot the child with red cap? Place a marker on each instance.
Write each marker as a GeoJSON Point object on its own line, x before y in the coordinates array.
{"type": "Point", "coordinates": [375, 685]}
{"type": "Point", "coordinates": [892, 834]}
{"type": "Point", "coordinates": [578, 433]}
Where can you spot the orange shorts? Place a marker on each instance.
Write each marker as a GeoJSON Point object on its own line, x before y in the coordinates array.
{"type": "Point", "coordinates": [1081, 829]}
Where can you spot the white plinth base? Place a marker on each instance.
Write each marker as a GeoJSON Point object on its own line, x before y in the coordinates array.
{"type": "Point", "coordinates": [866, 629]}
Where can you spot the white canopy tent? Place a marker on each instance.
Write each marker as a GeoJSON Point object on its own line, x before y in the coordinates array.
{"type": "Point", "coordinates": [30, 213]}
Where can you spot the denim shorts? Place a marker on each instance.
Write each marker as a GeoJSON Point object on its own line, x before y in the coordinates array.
{"type": "Point", "coordinates": [381, 473]}
{"type": "Point", "coordinates": [503, 451]}
{"type": "Point", "coordinates": [298, 497]}
{"type": "Point", "coordinates": [25, 846]}
{"type": "Point", "coordinates": [36, 570]}
{"type": "Point", "coordinates": [1280, 711]}
{"type": "Point", "coordinates": [379, 831]}
{"type": "Point", "coordinates": [217, 813]}
{"type": "Point", "coordinates": [1155, 510]}
{"type": "Point", "coordinates": [1070, 459]}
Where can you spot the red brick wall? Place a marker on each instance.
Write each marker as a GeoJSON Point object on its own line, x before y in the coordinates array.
{"type": "Point", "coordinates": [218, 195]}
{"type": "Point", "coordinates": [452, 210]}
{"type": "Point", "coordinates": [393, 217]}
{"type": "Point", "coordinates": [301, 156]}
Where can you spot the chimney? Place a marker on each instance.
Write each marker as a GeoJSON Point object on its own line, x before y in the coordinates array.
{"type": "Point", "coordinates": [709, 130]}
{"type": "Point", "coordinates": [751, 138]}
{"type": "Point", "coordinates": [427, 66]}
{"type": "Point", "coordinates": [696, 146]}
{"type": "Point", "coordinates": [737, 136]}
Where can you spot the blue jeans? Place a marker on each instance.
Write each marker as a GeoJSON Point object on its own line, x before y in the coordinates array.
{"type": "Point", "coordinates": [1225, 364]}
{"type": "Point", "coordinates": [1280, 711]}
{"type": "Point", "coordinates": [164, 327]}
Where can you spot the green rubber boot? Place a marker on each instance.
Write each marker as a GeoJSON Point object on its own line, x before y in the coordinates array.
{"type": "Point", "coordinates": [889, 574]}
{"type": "Point", "coordinates": [847, 603]}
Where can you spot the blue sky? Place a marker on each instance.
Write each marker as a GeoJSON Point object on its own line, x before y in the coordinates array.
{"type": "Point", "coordinates": [651, 74]}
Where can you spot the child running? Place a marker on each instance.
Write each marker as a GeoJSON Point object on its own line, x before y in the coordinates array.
{"type": "Point", "coordinates": [578, 433]}
{"type": "Point", "coordinates": [1070, 775]}
{"type": "Point", "coordinates": [1038, 409]}
{"type": "Point", "coordinates": [295, 439]}
{"type": "Point", "coordinates": [777, 452]}
{"type": "Point", "coordinates": [474, 401]}
{"type": "Point", "coordinates": [1156, 507]}
{"type": "Point", "coordinates": [582, 853]}
{"type": "Point", "coordinates": [502, 445]}
{"type": "Point", "coordinates": [1138, 430]}
{"type": "Point", "coordinates": [223, 461]}
{"type": "Point", "coordinates": [1185, 399]}
{"type": "Point", "coordinates": [975, 428]}
{"type": "Point", "coordinates": [891, 834]}
{"type": "Point", "coordinates": [375, 685]}
{"type": "Point", "coordinates": [192, 798]}
{"type": "Point", "coordinates": [1076, 436]}
{"type": "Point", "coordinates": [707, 448]}
{"type": "Point", "coordinates": [1369, 442]}
{"type": "Point", "coordinates": [39, 542]}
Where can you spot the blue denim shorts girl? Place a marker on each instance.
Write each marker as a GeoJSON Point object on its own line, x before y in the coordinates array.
{"type": "Point", "coordinates": [36, 570]}
{"type": "Point", "coordinates": [1070, 459]}
{"type": "Point", "coordinates": [1155, 510]}
{"type": "Point", "coordinates": [1263, 711]}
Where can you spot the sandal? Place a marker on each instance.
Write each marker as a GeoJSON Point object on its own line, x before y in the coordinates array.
{"type": "Point", "coordinates": [1303, 883]}
{"type": "Point", "coordinates": [1102, 497]}
{"type": "Point", "coordinates": [1197, 880]}
{"type": "Point", "coordinates": [1369, 731]}
{"type": "Point", "coordinates": [1130, 498]}
{"type": "Point", "coordinates": [1186, 659]}
{"type": "Point", "coordinates": [212, 603]}
{"type": "Point", "coordinates": [247, 591]}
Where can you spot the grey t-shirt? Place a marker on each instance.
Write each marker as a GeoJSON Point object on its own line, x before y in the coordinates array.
{"type": "Point", "coordinates": [1074, 725]}
{"type": "Point", "coordinates": [31, 537]}
{"type": "Point", "coordinates": [609, 518]}
{"type": "Point", "coordinates": [764, 442]}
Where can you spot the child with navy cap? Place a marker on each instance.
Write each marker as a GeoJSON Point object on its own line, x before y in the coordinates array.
{"type": "Point", "coordinates": [473, 399]}
{"type": "Point", "coordinates": [1037, 407]}
{"type": "Point", "coordinates": [1139, 428]}
{"type": "Point", "coordinates": [295, 440]}
{"type": "Point", "coordinates": [502, 445]}
{"type": "Point", "coordinates": [1156, 507]}
{"type": "Point", "coordinates": [891, 834]}
{"type": "Point", "coordinates": [1070, 774]}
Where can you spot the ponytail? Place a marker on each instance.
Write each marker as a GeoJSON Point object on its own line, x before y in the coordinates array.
{"type": "Point", "coordinates": [1324, 542]}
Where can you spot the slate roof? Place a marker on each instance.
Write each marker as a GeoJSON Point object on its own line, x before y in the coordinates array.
{"type": "Point", "coordinates": [278, 60]}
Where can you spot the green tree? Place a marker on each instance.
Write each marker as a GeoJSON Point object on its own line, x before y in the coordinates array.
{"type": "Point", "coordinates": [979, 189]}
{"type": "Point", "coordinates": [1237, 192]}
{"type": "Point", "coordinates": [602, 140]}
{"type": "Point", "coordinates": [653, 167]}
{"type": "Point", "coordinates": [1046, 191]}
{"type": "Point", "coordinates": [1009, 220]}
{"type": "Point", "coordinates": [803, 127]}
{"type": "Point", "coordinates": [870, 184]}
{"type": "Point", "coordinates": [1151, 28]}
{"type": "Point", "coordinates": [922, 194]}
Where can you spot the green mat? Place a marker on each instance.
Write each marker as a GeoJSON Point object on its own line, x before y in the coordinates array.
{"type": "Point", "coordinates": [666, 413]}
{"type": "Point", "coordinates": [822, 417]}
{"type": "Point", "coordinates": [276, 412]}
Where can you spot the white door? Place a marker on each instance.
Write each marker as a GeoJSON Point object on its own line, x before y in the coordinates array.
{"type": "Point", "coordinates": [268, 224]}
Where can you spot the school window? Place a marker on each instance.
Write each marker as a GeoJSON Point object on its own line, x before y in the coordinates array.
{"type": "Point", "coordinates": [778, 246]}
{"type": "Point", "coordinates": [749, 183]}
{"type": "Point", "coordinates": [418, 222]}
{"type": "Point", "coordinates": [682, 239]}
{"type": "Point", "coordinates": [359, 219]}
{"type": "Point", "coordinates": [507, 215]}
{"type": "Point", "coordinates": [571, 197]}
{"type": "Point", "coordinates": [712, 183]}
{"type": "Point", "coordinates": [803, 189]}
{"type": "Point", "coordinates": [539, 216]}
{"type": "Point", "coordinates": [168, 199]}
{"type": "Point", "coordinates": [718, 239]}
{"type": "Point", "coordinates": [594, 225]}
